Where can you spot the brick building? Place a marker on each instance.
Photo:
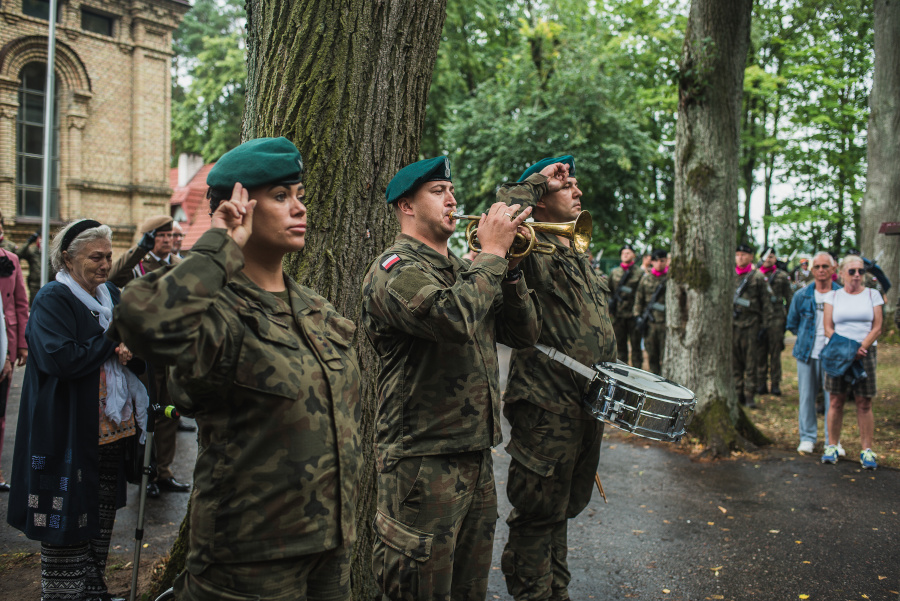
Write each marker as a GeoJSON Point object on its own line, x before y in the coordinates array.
{"type": "Point", "coordinates": [113, 96]}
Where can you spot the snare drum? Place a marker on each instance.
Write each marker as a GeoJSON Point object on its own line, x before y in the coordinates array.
{"type": "Point", "coordinates": [640, 402]}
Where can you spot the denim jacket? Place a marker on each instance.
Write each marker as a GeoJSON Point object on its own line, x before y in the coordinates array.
{"type": "Point", "coordinates": [801, 320]}
{"type": "Point", "coordinates": [839, 359]}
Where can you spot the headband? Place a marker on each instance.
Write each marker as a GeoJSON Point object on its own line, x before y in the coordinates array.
{"type": "Point", "coordinates": [76, 230]}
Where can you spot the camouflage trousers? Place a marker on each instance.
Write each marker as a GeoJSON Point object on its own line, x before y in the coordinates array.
{"type": "Point", "coordinates": [655, 343]}
{"type": "Point", "coordinates": [625, 333]}
{"type": "Point", "coordinates": [743, 356]}
{"type": "Point", "coordinates": [551, 478]}
{"type": "Point", "coordinates": [434, 528]}
{"type": "Point", "coordinates": [768, 355]}
{"type": "Point", "coordinates": [318, 577]}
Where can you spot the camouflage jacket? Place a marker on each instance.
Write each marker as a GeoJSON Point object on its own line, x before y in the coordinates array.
{"type": "Point", "coordinates": [756, 295]}
{"type": "Point", "coordinates": [435, 322]}
{"type": "Point", "coordinates": [801, 279]}
{"type": "Point", "coordinates": [781, 297]}
{"type": "Point", "coordinates": [280, 460]}
{"type": "Point", "coordinates": [646, 289]}
{"type": "Point", "coordinates": [625, 306]}
{"type": "Point", "coordinates": [135, 263]}
{"type": "Point", "coordinates": [574, 310]}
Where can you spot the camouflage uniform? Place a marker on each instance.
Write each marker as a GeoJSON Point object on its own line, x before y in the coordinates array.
{"type": "Point", "coordinates": [748, 322]}
{"type": "Point", "coordinates": [768, 358]}
{"type": "Point", "coordinates": [134, 264]}
{"type": "Point", "coordinates": [655, 336]}
{"type": "Point", "coordinates": [434, 321]}
{"type": "Point", "coordinates": [275, 390]}
{"type": "Point", "coordinates": [623, 319]}
{"type": "Point", "coordinates": [555, 444]}
{"type": "Point", "coordinates": [801, 279]}
{"type": "Point", "coordinates": [31, 256]}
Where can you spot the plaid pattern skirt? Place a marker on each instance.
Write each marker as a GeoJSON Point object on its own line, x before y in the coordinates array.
{"type": "Point", "coordinates": [865, 387]}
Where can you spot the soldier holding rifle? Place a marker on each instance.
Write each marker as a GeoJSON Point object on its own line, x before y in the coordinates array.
{"type": "Point", "coordinates": [624, 281]}
{"type": "Point", "coordinates": [751, 308]}
{"type": "Point", "coordinates": [650, 309]}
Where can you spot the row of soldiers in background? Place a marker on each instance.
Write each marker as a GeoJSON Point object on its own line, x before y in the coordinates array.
{"type": "Point", "coordinates": [761, 300]}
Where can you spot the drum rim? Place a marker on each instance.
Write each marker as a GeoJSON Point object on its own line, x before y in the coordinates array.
{"type": "Point", "coordinates": [633, 388]}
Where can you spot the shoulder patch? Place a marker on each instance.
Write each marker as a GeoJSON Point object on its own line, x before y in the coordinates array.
{"type": "Point", "coordinates": [390, 261]}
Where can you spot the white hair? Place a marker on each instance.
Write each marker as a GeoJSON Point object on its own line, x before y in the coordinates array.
{"type": "Point", "coordinates": [75, 246]}
{"type": "Point", "coordinates": [823, 253]}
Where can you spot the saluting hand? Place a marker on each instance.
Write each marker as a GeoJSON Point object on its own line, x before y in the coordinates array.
{"type": "Point", "coordinates": [236, 215]}
{"type": "Point", "coordinates": [557, 175]}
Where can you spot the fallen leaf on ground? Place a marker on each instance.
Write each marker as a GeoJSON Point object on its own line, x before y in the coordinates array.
{"type": "Point", "coordinates": [774, 531]}
{"type": "Point", "coordinates": [722, 509]}
{"type": "Point", "coordinates": [716, 569]}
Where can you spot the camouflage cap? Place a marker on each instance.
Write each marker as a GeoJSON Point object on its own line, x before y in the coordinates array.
{"type": "Point", "coordinates": [157, 222]}
{"type": "Point", "coordinates": [256, 163]}
{"type": "Point", "coordinates": [412, 176]}
{"type": "Point", "coordinates": [568, 159]}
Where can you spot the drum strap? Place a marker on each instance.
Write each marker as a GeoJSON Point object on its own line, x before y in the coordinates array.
{"type": "Point", "coordinates": [568, 361]}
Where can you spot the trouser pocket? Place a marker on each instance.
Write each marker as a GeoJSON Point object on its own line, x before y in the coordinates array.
{"type": "Point", "coordinates": [400, 560]}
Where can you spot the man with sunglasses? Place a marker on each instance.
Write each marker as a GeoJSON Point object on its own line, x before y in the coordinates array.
{"type": "Point", "coordinates": [806, 320]}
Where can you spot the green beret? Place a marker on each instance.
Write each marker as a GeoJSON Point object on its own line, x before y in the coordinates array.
{"type": "Point", "coordinates": [256, 163]}
{"type": "Point", "coordinates": [412, 176]}
{"type": "Point", "coordinates": [567, 159]}
{"type": "Point", "coordinates": [159, 222]}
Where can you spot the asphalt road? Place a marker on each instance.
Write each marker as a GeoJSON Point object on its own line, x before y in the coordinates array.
{"type": "Point", "coordinates": [775, 526]}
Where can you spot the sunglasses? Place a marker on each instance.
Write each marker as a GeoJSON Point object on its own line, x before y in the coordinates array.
{"type": "Point", "coordinates": [821, 266]}
{"type": "Point", "coordinates": [853, 271]}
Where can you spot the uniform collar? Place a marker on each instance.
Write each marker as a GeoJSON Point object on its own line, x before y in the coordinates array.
{"type": "Point", "coordinates": [268, 301]}
{"type": "Point", "coordinates": [428, 253]}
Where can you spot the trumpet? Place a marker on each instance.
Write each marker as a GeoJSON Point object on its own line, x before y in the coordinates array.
{"type": "Point", "coordinates": [578, 231]}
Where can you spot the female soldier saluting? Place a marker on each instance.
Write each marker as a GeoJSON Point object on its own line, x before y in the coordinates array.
{"type": "Point", "coordinates": [267, 369]}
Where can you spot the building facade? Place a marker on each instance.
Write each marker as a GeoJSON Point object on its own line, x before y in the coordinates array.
{"type": "Point", "coordinates": [111, 147]}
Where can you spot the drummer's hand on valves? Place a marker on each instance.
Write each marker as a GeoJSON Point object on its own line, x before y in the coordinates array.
{"type": "Point", "coordinates": [497, 228]}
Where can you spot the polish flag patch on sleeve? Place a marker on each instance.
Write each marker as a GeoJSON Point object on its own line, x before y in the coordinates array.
{"type": "Point", "coordinates": [390, 262]}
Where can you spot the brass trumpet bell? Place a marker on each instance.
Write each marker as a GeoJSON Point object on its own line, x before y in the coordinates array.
{"type": "Point", "coordinates": [578, 231]}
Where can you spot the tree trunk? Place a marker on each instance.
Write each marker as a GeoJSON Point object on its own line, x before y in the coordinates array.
{"type": "Point", "coordinates": [881, 201]}
{"type": "Point", "coordinates": [707, 147]}
{"type": "Point", "coordinates": [348, 84]}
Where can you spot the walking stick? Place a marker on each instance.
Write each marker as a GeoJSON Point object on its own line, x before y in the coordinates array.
{"type": "Point", "coordinates": [154, 411]}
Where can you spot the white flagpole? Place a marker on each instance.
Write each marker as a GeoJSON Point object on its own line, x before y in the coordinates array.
{"type": "Point", "coordinates": [49, 100]}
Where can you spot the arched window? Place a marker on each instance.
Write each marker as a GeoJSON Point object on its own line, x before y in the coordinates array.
{"type": "Point", "coordinates": [30, 144]}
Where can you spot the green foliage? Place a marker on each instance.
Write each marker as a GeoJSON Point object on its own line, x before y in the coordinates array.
{"type": "Point", "coordinates": [805, 117]}
{"type": "Point", "coordinates": [210, 79]}
{"type": "Point", "coordinates": [592, 81]}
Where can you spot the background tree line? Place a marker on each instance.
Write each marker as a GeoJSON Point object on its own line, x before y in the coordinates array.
{"type": "Point", "coordinates": [516, 80]}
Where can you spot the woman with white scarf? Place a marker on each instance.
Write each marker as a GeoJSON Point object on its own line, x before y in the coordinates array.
{"type": "Point", "coordinates": [79, 405]}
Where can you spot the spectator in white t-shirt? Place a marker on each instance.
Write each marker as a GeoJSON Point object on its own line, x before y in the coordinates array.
{"type": "Point", "coordinates": [854, 312]}
{"type": "Point", "coordinates": [806, 319]}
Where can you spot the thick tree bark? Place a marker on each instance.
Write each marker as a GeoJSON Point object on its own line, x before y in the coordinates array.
{"type": "Point", "coordinates": [347, 82]}
{"type": "Point", "coordinates": [881, 201]}
{"type": "Point", "coordinates": [699, 296]}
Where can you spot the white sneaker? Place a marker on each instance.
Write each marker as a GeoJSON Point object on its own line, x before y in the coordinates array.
{"type": "Point", "coordinates": [806, 446]}
{"type": "Point", "coordinates": [841, 450]}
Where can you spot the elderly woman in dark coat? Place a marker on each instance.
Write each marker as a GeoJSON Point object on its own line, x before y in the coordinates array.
{"type": "Point", "coordinates": [78, 406]}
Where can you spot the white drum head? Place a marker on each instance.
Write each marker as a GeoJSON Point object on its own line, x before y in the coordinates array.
{"type": "Point", "coordinates": [641, 380]}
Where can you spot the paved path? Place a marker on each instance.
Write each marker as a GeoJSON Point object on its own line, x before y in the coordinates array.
{"type": "Point", "coordinates": [774, 526]}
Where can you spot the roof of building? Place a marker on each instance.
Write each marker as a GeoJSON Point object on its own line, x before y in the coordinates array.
{"type": "Point", "coordinates": [192, 200]}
